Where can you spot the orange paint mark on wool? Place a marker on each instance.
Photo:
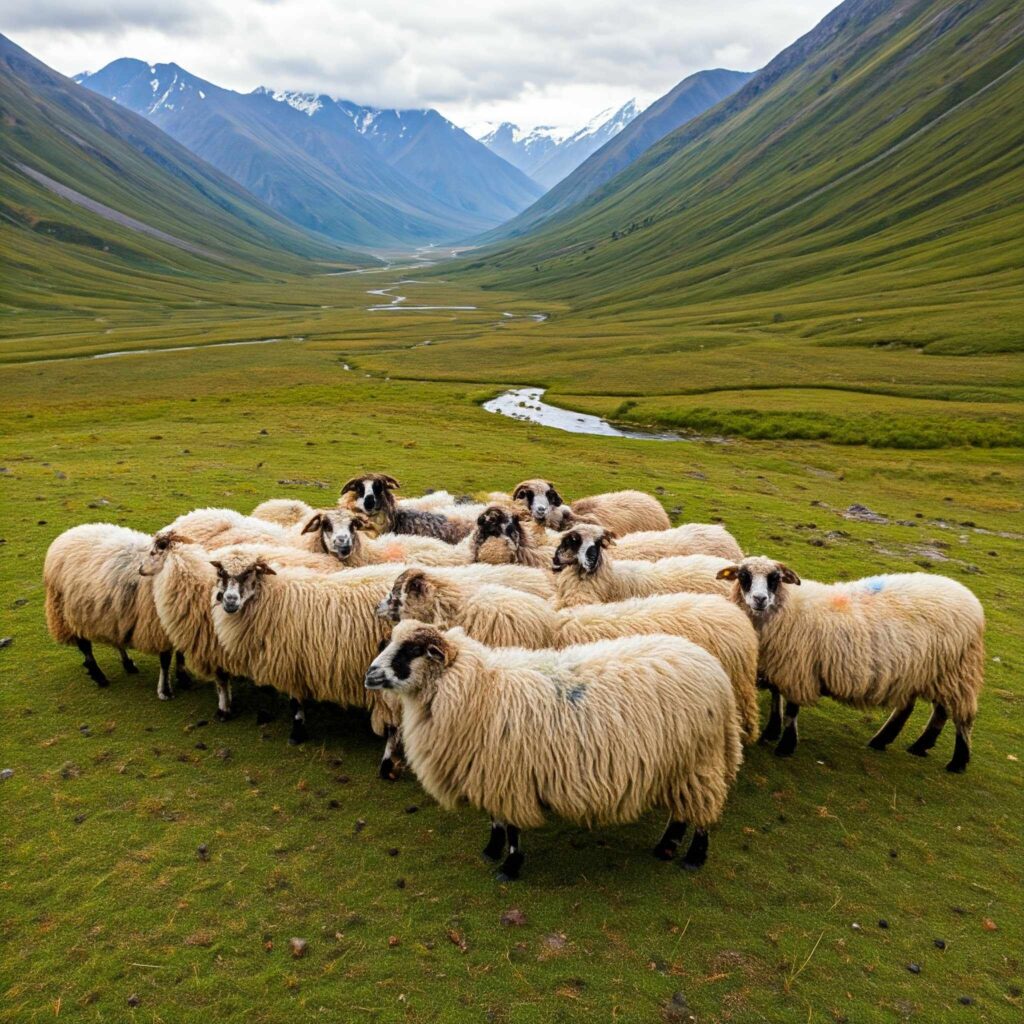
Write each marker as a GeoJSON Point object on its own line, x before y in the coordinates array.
{"type": "Point", "coordinates": [840, 602]}
{"type": "Point", "coordinates": [394, 553]}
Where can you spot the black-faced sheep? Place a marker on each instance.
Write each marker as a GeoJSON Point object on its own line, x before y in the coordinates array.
{"type": "Point", "coordinates": [621, 511]}
{"type": "Point", "coordinates": [588, 575]}
{"type": "Point", "coordinates": [94, 594]}
{"type": "Point", "coordinates": [597, 734]}
{"type": "Point", "coordinates": [500, 617]}
{"type": "Point", "coordinates": [881, 641]}
{"type": "Point", "coordinates": [372, 494]}
{"type": "Point", "coordinates": [508, 535]}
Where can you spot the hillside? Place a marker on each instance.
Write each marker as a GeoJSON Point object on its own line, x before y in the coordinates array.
{"type": "Point", "coordinates": [618, 149]}
{"type": "Point", "coordinates": [868, 178]}
{"type": "Point", "coordinates": [308, 157]}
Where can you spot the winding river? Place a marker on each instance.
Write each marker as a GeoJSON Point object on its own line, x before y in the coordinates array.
{"type": "Point", "coordinates": [525, 404]}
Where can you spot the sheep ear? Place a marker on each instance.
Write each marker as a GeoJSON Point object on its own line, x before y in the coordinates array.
{"type": "Point", "coordinates": [730, 572]}
{"type": "Point", "coordinates": [314, 524]}
{"type": "Point", "coordinates": [263, 569]}
{"type": "Point", "coordinates": [351, 485]}
{"type": "Point", "coordinates": [787, 575]}
{"type": "Point", "coordinates": [437, 650]}
{"type": "Point", "coordinates": [415, 584]}
{"type": "Point", "coordinates": [609, 537]}
{"type": "Point", "coordinates": [391, 482]}
{"type": "Point", "coordinates": [218, 566]}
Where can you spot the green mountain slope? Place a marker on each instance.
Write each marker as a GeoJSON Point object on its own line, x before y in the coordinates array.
{"type": "Point", "coordinates": [869, 179]}
{"type": "Point", "coordinates": [98, 202]}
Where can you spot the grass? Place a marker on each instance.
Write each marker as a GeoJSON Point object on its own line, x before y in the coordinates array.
{"type": "Point", "coordinates": [104, 896]}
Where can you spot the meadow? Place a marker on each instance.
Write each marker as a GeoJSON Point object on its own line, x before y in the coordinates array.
{"type": "Point", "coordinates": [155, 863]}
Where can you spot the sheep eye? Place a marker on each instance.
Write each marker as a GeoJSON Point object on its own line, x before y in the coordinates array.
{"type": "Point", "coordinates": [528, 495]}
{"type": "Point", "coordinates": [773, 581]}
{"type": "Point", "coordinates": [326, 525]}
{"type": "Point", "coordinates": [161, 544]}
{"type": "Point", "coordinates": [377, 487]}
{"type": "Point", "coordinates": [744, 579]}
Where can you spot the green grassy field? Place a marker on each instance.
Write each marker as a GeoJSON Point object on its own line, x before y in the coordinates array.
{"type": "Point", "coordinates": [103, 896]}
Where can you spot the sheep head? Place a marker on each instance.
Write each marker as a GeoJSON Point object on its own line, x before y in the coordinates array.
{"type": "Point", "coordinates": [757, 584]}
{"type": "Point", "coordinates": [413, 596]}
{"type": "Point", "coordinates": [583, 546]}
{"type": "Point", "coordinates": [238, 581]}
{"type": "Point", "coordinates": [155, 558]}
{"type": "Point", "coordinates": [412, 660]}
{"type": "Point", "coordinates": [370, 492]}
{"type": "Point", "coordinates": [338, 530]}
{"type": "Point", "coordinates": [539, 497]}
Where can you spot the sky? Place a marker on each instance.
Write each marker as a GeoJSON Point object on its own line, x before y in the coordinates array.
{"type": "Point", "coordinates": [553, 62]}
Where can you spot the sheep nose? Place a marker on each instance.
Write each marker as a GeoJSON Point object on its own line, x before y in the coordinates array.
{"type": "Point", "coordinates": [376, 680]}
{"type": "Point", "coordinates": [760, 601]}
{"type": "Point", "coordinates": [343, 550]}
{"type": "Point", "coordinates": [230, 604]}
{"type": "Point", "coordinates": [369, 503]}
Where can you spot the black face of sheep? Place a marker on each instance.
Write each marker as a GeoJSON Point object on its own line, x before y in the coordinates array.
{"type": "Point", "coordinates": [404, 663]}
{"type": "Point", "coordinates": [757, 581]}
{"type": "Point", "coordinates": [235, 589]}
{"type": "Point", "coordinates": [584, 547]}
{"type": "Point", "coordinates": [492, 522]}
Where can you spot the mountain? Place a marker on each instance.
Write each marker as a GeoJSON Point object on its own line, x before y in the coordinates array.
{"type": "Point", "coordinates": [307, 157]}
{"type": "Point", "coordinates": [93, 192]}
{"type": "Point", "coordinates": [548, 154]}
{"type": "Point", "coordinates": [691, 97]}
{"type": "Point", "coordinates": [874, 164]}
{"type": "Point", "coordinates": [445, 161]}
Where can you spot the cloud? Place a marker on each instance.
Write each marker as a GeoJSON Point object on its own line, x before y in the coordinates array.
{"type": "Point", "coordinates": [527, 60]}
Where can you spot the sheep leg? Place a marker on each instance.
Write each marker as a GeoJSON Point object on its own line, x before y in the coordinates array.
{"type": "Point", "coordinates": [668, 844]}
{"type": "Point", "coordinates": [163, 681]}
{"type": "Point", "coordinates": [182, 677]}
{"type": "Point", "coordinates": [126, 662]}
{"type": "Point", "coordinates": [298, 734]}
{"type": "Point", "coordinates": [94, 671]}
{"type": "Point", "coordinates": [391, 762]}
{"type": "Point", "coordinates": [510, 867]}
{"type": "Point", "coordinates": [927, 739]}
{"type": "Point", "coordinates": [224, 708]}
{"type": "Point", "coordinates": [496, 844]}
{"type": "Point", "coordinates": [787, 744]}
{"type": "Point", "coordinates": [773, 729]}
{"type": "Point", "coordinates": [698, 851]}
{"type": "Point", "coordinates": [962, 749]}
{"type": "Point", "coordinates": [892, 727]}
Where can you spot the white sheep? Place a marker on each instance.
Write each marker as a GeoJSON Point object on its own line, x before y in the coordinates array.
{"type": "Point", "coordinates": [689, 539]}
{"type": "Point", "coordinates": [621, 511]}
{"type": "Point", "coordinates": [283, 511]}
{"type": "Point", "coordinates": [882, 641]}
{"type": "Point", "coordinates": [217, 527]}
{"type": "Point", "coordinates": [598, 734]}
{"type": "Point", "coordinates": [500, 617]}
{"type": "Point", "coordinates": [588, 575]}
{"type": "Point", "coordinates": [94, 594]}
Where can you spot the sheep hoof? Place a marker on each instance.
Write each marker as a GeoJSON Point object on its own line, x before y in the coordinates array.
{"type": "Point", "coordinates": [389, 770]}
{"type": "Point", "coordinates": [876, 744]}
{"type": "Point", "coordinates": [131, 668]}
{"type": "Point", "coordinates": [691, 866]}
{"type": "Point", "coordinates": [504, 876]}
{"type": "Point", "coordinates": [664, 852]}
{"type": "Point", "coordinates": [165, 695]}
{"type": "Point", "coordinates": [224, 716]}
{"type": "Point", "coordinates": [957, 767]}
{"type": "Point", "coordinates": [182, 680]}
{"type": "Point", "coordinates": [489, 856]}
{"type": "Point", "coordinates": [770, 734]}
{"type": "Point", "coordinates": [917, 751]}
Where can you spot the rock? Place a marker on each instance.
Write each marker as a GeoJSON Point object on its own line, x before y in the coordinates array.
{"type": "Point", "coordinates": [411, 809]}
{"type": "Point", "coordinates": [203, 852]}
{"type": "Point", "coordinates": [223, 753]}
{"type": "Point", "coordinates": [298, 948]}
{"type": "Point", "coordinates": [855, 926]}
{"type": "Point", "coordinates": [99, 503]}
{"type": "Point", "coordinates": [914, 968]}
{"type": "Point", "coordinates": [201, 746]}
{"type": "Point", "coordinates": [513, 918]}
{"type": "Point", "coordinates": [134, 1000]}
{"type": "Point", "coordinates": [7, 773]}
{"type": "Point", "coordinates": [6, 641]}
{"type": "Point", "coordinates": [965, 1001]}
{"type": "Point", "coordinates": [940, 944]}
{"type": "Point", "coordinates": [20, 602]}
{"type": "Point", "coordinates": [989, 925]}
{"type": "Point", "coordinates": [883, 923]}
{"type": "Point", "coordinates": [264, 432]}
{"type": "Point", "coordinates": [59, 475]}
{"type": "Point", "coordinates": [393, 852]}
{"type": "Point", "coordinates": [359, 825]}
{"type": "Point", "coordinates": [862, 514]}
{"type": "Point", "coordinates": [399, 883]}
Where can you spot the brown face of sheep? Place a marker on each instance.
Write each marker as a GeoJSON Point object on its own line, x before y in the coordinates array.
{"type": "Point", "coordinates": [409, 661]}
{"type": "Point", "coordinates": [538, 496]}
{"type": "Point", "coordinates": [235, 590]}
{"type": "Point", "coordinates": [582, 547]}
{"type": "Point", "coordinates": [371, 492]}
{"type": "Point", "coordinates": [337, 532]}
{"type": "Point", "coordinates": [411, 597]}
{"type": "Point", "coordinates": [157, 554]}
{"type": "Point", "coordinates": [757, 583]}
{"type": "Point", "coordinates": [499, 522]}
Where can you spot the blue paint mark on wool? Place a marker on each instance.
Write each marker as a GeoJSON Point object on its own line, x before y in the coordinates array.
{"type": "Point", "coordinates": [874, 584]}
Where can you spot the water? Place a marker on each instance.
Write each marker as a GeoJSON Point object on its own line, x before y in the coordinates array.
{"type": "Point", "coordinates": [525, 404]}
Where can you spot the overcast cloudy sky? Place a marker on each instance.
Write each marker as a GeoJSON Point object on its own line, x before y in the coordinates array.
{"type": "Point", "coordinates": [529, 61]}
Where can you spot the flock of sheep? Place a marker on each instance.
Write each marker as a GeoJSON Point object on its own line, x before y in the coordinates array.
{"type": "Point", "coordinates": [523, 654]}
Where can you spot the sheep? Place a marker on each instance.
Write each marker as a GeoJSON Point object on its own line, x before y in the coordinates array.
{"type": "Point", "coordinates": [348, 536]}
{"type": "Point", "coordinates": [94, 594]}
{"type": "Point", "coordinates": [621, 511]}
{"type": "Point", "coordinates": [308, 635]}
{"type": "Point", "coordinates": [182, 580]}
{"type": "Point", "coordinates": [509, 535]}
{"type": "Point", "coordinates": [597, 733]}
{"type": "Point", "coordinates": [690, 539]}
{"type": "Point", "coordinates": [283, 511]}
{"type": "Point", "coordinates": [586, 575]}
{"type": "Point", "coordinates": [500, 617]}
{"type": "Point", "coordinates": [371, 495]}
{"type": "Point", "coordinates": [881, 641]}
{"type": "Point", "coordinates": [218, 527]}
{"type": "Point", "coordinates": [446, 503]}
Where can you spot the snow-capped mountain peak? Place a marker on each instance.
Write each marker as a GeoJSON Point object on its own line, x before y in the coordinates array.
{"type": "Point", "coordinates": [305, 102]}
